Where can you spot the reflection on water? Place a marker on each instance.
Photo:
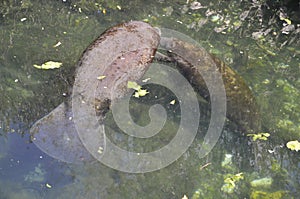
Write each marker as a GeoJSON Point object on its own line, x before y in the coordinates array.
{"type": "Point", "coordinates": [29, 33]}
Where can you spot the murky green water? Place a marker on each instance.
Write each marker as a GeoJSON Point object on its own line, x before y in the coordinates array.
{"type": "Point", "coordinates": [31, 32]}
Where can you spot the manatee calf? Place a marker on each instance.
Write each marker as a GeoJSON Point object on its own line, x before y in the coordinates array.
{"type": "Point", "coordinates": [194, 62]}
{"type": "Point", "coordinates": [121, 54]}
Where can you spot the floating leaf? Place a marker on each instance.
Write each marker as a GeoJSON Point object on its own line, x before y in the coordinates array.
{"type": "Point", "coordinates": [101, 77]}
{"type": "Point", "coordinates": [283, 16]}
{"type": "Point", "coordinates": [136, 94]}
{"type": "Point", "coordinates": [142, 92]}
{"type": "Point", "coordinates": [184, 197]}
{"type": "Point", "coordinates": [57, 44]}
{"type": "Point", "coordinates": [100, 150]}
{"type": "Point", "coordinates": [139, 91]}
{"type": "Point", "coordinates": [293, 145]}
{"type": "Point", "coordinates": [49, 65]}
{"type": "Point", "coordinates": [146, 80]}
{"type": "Point", "coordinates": [260, 136]}
{"type": "Point", "coordinates": [48, 186]}
{"type": "Point", "coordinates": [288, 21]}
{"type": "Point", "coordinates": [173, 102]}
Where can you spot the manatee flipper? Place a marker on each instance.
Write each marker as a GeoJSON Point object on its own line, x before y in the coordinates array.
{"type": "Point", "coordinates": [56, 135]}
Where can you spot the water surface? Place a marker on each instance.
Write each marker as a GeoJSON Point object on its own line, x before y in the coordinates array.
{"type": "Point", "coordinates": [262, 54]}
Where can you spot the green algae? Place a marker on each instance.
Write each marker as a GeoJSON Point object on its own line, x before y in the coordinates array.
{"type": "Point", "coordinates": [267, 195]}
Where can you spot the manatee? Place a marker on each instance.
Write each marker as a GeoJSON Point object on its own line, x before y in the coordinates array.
{"type": "Point", "coordinates": [121, 54]}
{"type": "Point", "coordinates": [194, 61]}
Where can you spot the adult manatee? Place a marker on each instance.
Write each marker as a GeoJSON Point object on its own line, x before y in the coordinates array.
{"type": "Point", "coordinates": [121, 54]}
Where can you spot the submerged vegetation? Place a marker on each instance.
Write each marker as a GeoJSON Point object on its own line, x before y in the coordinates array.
{"type": "Point", "coordinates": [259, 38]}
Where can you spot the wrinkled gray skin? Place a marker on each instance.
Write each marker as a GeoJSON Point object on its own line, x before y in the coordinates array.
{"type": "Point", "coordinates": [194, 61]}
{"type": "Point", "coordinates": [122, 54]}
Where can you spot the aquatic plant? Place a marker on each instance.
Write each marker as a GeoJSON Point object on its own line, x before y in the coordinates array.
{"type": "Point", "coordinates": [267, 195]}
{"type": "Point", "coordinates": [230, 182]}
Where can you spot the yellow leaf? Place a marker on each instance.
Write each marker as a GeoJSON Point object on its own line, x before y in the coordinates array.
{"type": "Point", "coordinates": [133, 85]}
{"type": "Point", "coordinates": [101, 77]}
{"type": "Point", "coordinates": [173, 102]}
{"type": "Point", "coordinates": [136, 94]}
{"type": "Point", "coordinates": [293, 145]}
{"type": "Point", "coordinates": [142, 92]}
{"type": "Point", "coordinates": [139, 91]}
{"type": "Point", "coordinates": [289, 22]}
{"type": "Point", "coordinates": [260, 136]}
{"type": "Point", "coordinates": [49, 65]}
